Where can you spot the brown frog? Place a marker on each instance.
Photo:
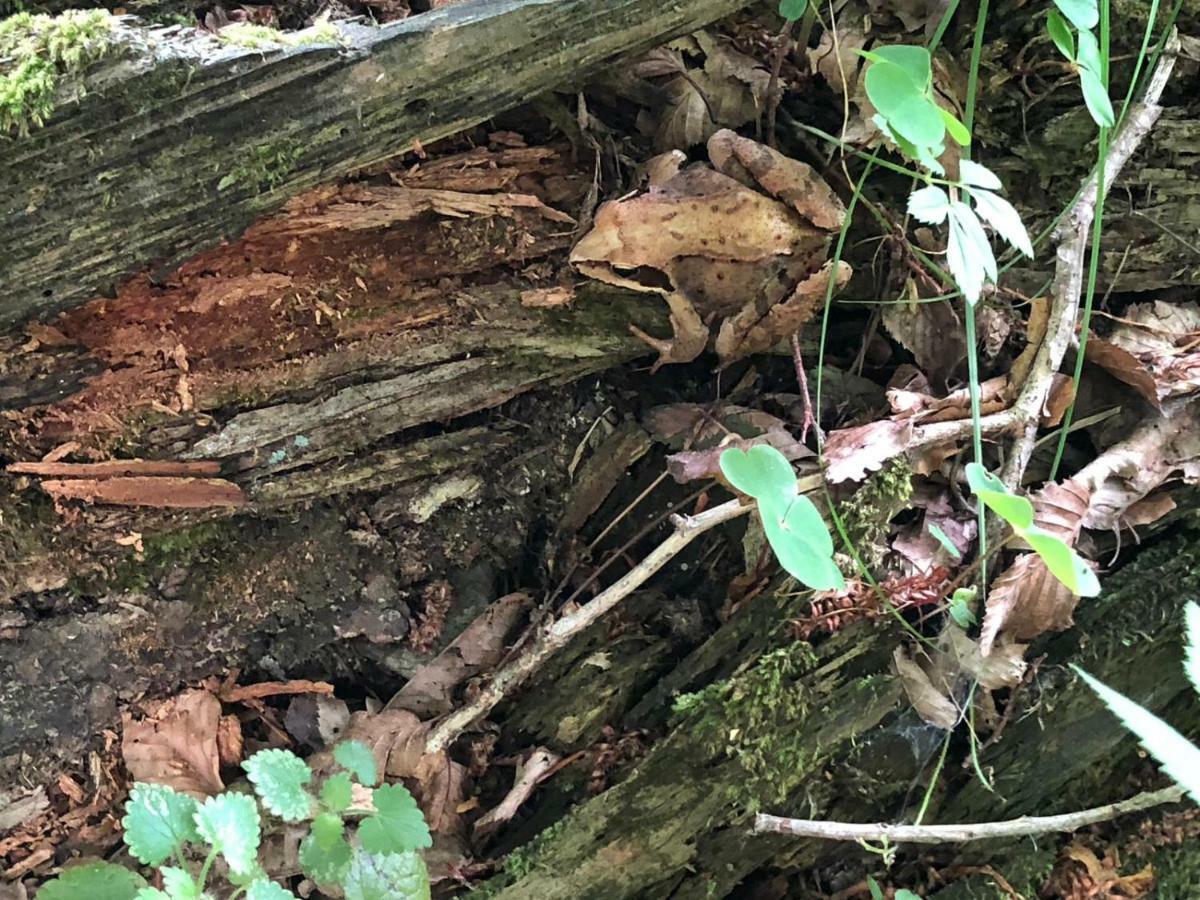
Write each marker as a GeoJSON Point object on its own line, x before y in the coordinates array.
{"type": "Point", "coordinates": [744, 242]}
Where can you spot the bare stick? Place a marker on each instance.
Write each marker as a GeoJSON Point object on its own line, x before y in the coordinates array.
{"type": "Point", "coordinates": [1072, 235]}
{"type": "Point", "coordinates": [957, 834]}
{"type": "Point", "coordinates": [561, 631]}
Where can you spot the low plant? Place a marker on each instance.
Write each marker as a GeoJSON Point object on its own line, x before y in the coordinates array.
{"type": "Point", "coordinates": [791, 522]}
{"type": "Point", "coordinates": [380, 862]}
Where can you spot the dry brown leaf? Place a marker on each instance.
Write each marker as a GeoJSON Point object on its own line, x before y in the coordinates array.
{"type": "Point", "coordinates": [839, 67]}
{"type": "Point", "coordinates": [932, 332]}
{"type": "Point", "coordinates": [1148, 510]}
{"type": "Point", "coordinates": [1026, 601]}
{"type": "Point", "coordinates": [177, 745]}
{"type": "Point", "coordinates": [1058, 400]}
{"type": "Point", "coordinates": [430, 692]}
{"type": "Point", "coordinates": [1155, 348]}
{"type": "Point", "coordinates": [1124, 366]}
{"type": "Point", "coordinates": [930, 703]}
{"type": "Point", "coordinates": [1002, 667]}
{"type": "Point", "coordinates": [853, 453]}
{"type": "Point", "coordinates": [1059, 508]}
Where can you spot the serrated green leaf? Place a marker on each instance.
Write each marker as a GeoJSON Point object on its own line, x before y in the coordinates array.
{"type": "Point", "coordinates": [179, 884]}
{"type": "Point", "coordinates": [1095, 95]}
{"type": "Point", "coordinates": [324, 852]}
{"type": "Point", "coordinates": [978, 175]}
{"type": "Point", "coordinates": [390, 876]}
{"type": "Point", "coordinates": [337, 792]}
{"type": "Point", "coordinates": [158, 821]}
{"type": "Point", "coordinates": [980, 247]}
{"type": "Point", "coordinates": [760, 472]}
{"type": "Point", "coordinates": [942, 538]}
{"type": "Point", "coordinates": [792, 10]}
{"type": "Point", "coordinates": [1083, 14]}
{"type": "Point", "coordinates": [802, 543]}
{"type": "Point", "coordinates": [268, 890]}
{"type": "Point", "coordinates": [1016, 511]}
{"type": "Point", "coordinates": [962, 607]}
{"type": "Point", "coordinates": [398, 824]}
{"type": "Point", "coordinates": [1004, 219]}
{"type": "Point", "coordinates": [1063, 562]}
{"type": "Point", "coordinates": [151, 893]}
{"type": "Point", "coordinates": [1191, 664]}
{"type": "Point", "coordinates": [929, 205]}
{"type": "Point", "coordinates": [279, 777]}
{"type": "Point", "coordinates": [230, 823]}
{"type": "Point", "coordinates": [956, 129]}
{"type": "Point", "coordinates": [95, 881]}
{"type": "Point", "coordinates": [961, 260]}
{"type": "Point", "coordinates": [1060, 33]}
{"type": "Point", "coordinates": [357, 759]}
{"type": "Point", "coordinates": [913, 60]}
{"type": "Point", "coordinates": [1179, 758]}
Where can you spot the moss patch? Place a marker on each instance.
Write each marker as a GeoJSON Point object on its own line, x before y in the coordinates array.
{"type": "Point", "coordinates": [260, 37]}
{"type": "Point", "coordinates": [872, 507]}
{"type": "Point", "coordinates": [38, 52]}
{"type": "Point", "coordinates": [264, 167]}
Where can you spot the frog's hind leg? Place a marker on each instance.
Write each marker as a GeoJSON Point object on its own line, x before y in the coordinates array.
{"type": "Point", "coordinates": [689, 338]}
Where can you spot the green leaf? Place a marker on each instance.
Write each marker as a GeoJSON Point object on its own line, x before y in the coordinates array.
{"type": "Point", "coordinates": [801, 542]}
{"type": "Point", "coordinates": [1083, 14]}
{"type": "Point", "coordinates": [336, 792]}
{"type": "Point", "coordinates": [962, 607]}
{"type": "Point", "coordinates": [968, 253]}
{"type": "Point", "coordinates": [980, 247]}
{"type": "Point", "coordinates": [762, 471]}
{"type": "Point", "coordinates": [1063, 562]}
{"type": "Point", "coordinates": [391, 876]}
{"type": "Point", "coordinates": [95, 881]}
{"type": "Point", "coordinates": [397, 826]}
{"type": "Point", "coordinates": [904, 894]}
{"type": "Point", "coordinates": [942, 538]}
{"type": "Point", "coordinates": [230, 823]}
{"type": "Point", "coordinates": [357, 758]}
{"type": "Point", "coordinates": [151, 893]}
{"type": "Point", "coordinates": [792, 9]}
{"type": "Point", "coordinates": [179, 884]}
{"type": "Point", "coordinates": [919, 120]}
{"type": "Point", "coordinates": [268, 890]}
{"type": "Point", "coordinates": [977, 175]}
{"type": "Point", "coordinates": [1179, 758]}
{"type": "Point", "coordinates": [1191, 663]}
{"type": "Point", "coordinates": [874, 888]}
{"type": "Point", "coordinates": [929, 205]}
{"type": "Point", "coordinates": [324, 853]}
{"type": "Point", "coordinates": [279, 777]}
{"type": "Point", "coordinates": [1089, 53]}
{"type": "Point", "coordinates": [1016, 511]}
{"type": "Point", "coordinates": [914, 61]}
{"type": "Point", "coordinates": [158, 821]}
{"type": "Point", "coordinates": [957, 129]}
{"type": "Point", "coordinates": [1004, 219]}
{"type": "Point", "coordinates": [1060, 33]}
{"type": "Point", "coordinates": [1095, 95]}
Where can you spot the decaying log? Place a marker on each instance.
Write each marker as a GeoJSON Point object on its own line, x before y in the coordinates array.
{"type": "Point", "coordinates": [185, 140]}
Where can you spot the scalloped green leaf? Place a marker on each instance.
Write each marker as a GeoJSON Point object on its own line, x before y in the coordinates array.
{"type": "Point", "coordinates": [324, 852]}
{"type": "Point", "coordinates": [390, 876]}
{"type": "Point", "coordinates": [268, 890]}
{"type": "Point", "coordinates": [929, 204]}
{"type": "Point", "coordinates": [158, 821]}
{"type": "Point", "coordinates": [962, 607]}
{"type": "Point", "coordinates": [178, 884]}
{"type": "Point", "coordinates": [279, 777]}
{"type": "Point", "coordinates": [94, 880]}
{"type": "Point", "coordinates": [398, 824]}
{"type": "Point", "coordinates": [230, 823]}
{"type": "Point", "coordinates": [762, 471]}
{"type": "Point", "coordinates": [337, 792]}
{"type": "Point", "coordinates": [357, 758]}
{"type": "Point", "coordinates": [1191, 663]}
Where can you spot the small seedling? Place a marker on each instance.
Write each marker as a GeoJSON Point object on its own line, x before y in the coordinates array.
{"type": "Point", "coordinates": [1083, 52]}
{"type": "Point", "coordinates": [791, 522]}
{"type": "Point", "coordinates": [160, 823]}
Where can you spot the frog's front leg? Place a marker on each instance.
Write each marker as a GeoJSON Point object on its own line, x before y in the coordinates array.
{"type": "Point", "coordinates": [689, 338]}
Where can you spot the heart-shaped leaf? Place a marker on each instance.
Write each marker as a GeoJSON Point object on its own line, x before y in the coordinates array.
{"type": "Point", "coordinates": [802, 542]}
{"type": "Point", "coordinates": [762, 471]}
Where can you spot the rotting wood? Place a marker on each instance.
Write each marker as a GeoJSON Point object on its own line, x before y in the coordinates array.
{"type": "Point", "coordinates": [161, 493]}
{"type": "Point", "coordinates": [117, 468]}
{"type": "Point", "coordinates": [186, 143]}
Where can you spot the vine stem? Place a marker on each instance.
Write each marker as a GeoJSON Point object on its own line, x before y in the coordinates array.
{"type": "Point", "coordinates": [1025, 826]}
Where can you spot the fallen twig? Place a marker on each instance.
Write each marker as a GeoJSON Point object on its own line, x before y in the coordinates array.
{"type": "Point", "coordinates": [560, 632]}
{"type": "Point", "coordinates": [956, 834]}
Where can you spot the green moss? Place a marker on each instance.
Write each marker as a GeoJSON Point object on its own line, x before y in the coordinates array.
{"type": "Point", "coordinates": [37, 52]}
{"type": "Point", "coordinates": [750, 718]}
{"type": "Point", "coordinates": [264, 167]}
{"type": "Point", "coordinates": [1177, 871]}
{"type": "Point", "coordinates": [260, 37]}
{"type": "Point", "coordinates": [136, 571]}
{"type": "Point", "coordinates": [872, 507]}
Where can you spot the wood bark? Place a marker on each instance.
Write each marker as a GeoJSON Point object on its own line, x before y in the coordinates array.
{"type": "Point", "coordinates": [187, 140]}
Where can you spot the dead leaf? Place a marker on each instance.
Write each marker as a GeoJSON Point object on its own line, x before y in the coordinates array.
{"type": "Point", "coordinates": [839, 67]}
{"type": "Point", "coordinates": [176, 745]}
{"type": "Point", "coordinates": [430, 692]}
{"type": "Point", "coordinates": [1154, 348]}
{"type": "Point", "coordinates": [229, 741]}
{"type": "Point", "coordinates": [932, 332]}
{"type": "Point", "coordinates": [698, 465]}
{"type": "Point", "coordinates": [18, 806]}
{"type": "Point", "coordinates": [1148, 510]}
{"type": "Point", "coordinates": [1024, 602]}
{"type": "Point", "coordinates": [1002, 667]}
{"type": "Point", "coordinates": [851, 454]}
{"type": "Point", "coordinates": [1060, 508]}
{"type": "Point", "coordinates": [931, 704]}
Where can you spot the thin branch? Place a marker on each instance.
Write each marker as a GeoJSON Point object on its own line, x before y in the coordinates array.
{"type": "Point", "coordinates": [957, 834]}
{"type": "Point", "coordinates": [559, 633]}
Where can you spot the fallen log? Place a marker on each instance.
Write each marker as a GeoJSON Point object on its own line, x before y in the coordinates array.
{"type": "Point", "coordinates": [181, 140]}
